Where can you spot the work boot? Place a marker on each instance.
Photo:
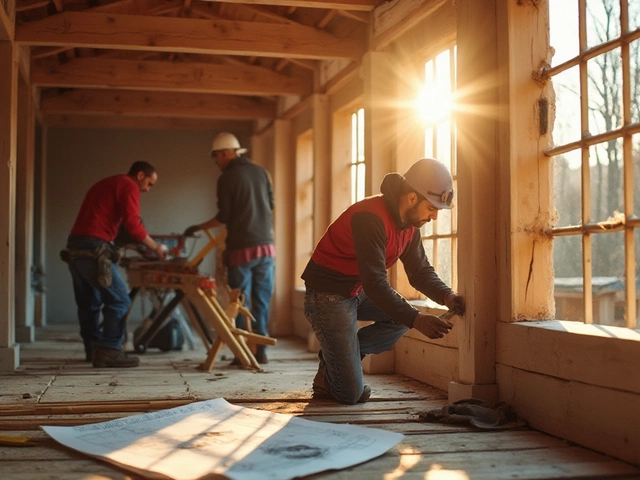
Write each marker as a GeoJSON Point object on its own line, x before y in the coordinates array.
{"type": "Point", "coordinates": [108, 358]}
{"type": "Point", "coordinates": [88, 353]}
{"type": "Point", "coordinates": [261, 355]}
{"type": "Point", "coordinates": [321, 390]}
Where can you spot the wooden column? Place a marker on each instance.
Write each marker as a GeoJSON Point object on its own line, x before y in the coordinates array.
{"type": "Point", "coordinates": [9, 350]}
{"type": "Point", "coordinates": [379, 117]}
{"type": "Point", "coordinates": [479, 191]}
{"type": "Point", "coordinates": [284, 186]}
{"type": "Point", "coordinates": [321, 125]}
{"type": "Point", "coordinates": [24, 215]}
{"type": "Point", "coordinates": [40, 215]}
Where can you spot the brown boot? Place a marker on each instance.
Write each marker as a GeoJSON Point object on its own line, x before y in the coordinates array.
{"type": "Point", "coordinates": [107, 358]}
{"type": "Point", "coordinates": [321, 389]}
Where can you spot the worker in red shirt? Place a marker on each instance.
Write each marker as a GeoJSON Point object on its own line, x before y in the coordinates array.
{"type": "Point", "coordinates": [346, 279]}
{"type": "Point", "coordinates": [92, 258]}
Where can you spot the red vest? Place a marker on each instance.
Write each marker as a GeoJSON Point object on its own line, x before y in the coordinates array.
{"type": "Point", "coordinates": [336, 248]}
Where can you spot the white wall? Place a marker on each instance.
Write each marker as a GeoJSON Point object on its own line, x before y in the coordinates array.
{"type": "Point", "coordinates": [184, 194]}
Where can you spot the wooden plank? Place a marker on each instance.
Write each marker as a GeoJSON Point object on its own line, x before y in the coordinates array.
{"type": "Point", "coordinates": [600, 418]}
{"type": "Point", "coordinates": [7, 29]}
{"type": "Point", "coordinates": [96, 121]}
{"type": "Point", "coordinates": [573, 351]}
{"type": "Point", "coordinates": [393, 18]}
{"type": "Point", "coordinates": [357, 5]}
{"type": "Point", "coordinates": [156, 104]}
{"type": "Point", "coordinates": [169, 34]}
{"type": "Point", "coordinates": [153, 75]}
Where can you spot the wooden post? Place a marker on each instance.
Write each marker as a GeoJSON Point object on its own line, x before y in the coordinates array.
{"type": "Point", "coordinates": [9, 350]}
{"type": "Point", "coordinates": [24, 215]}
{"type": "Point", "coordinates": [479, 189]}
{"type": "Point", "coordinates": [284, 186]}
{"type": "Point", "coordinates": [321, 165]}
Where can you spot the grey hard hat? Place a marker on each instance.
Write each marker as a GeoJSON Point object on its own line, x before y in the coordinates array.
{"type": "Point", "coordinates": [431, 179]}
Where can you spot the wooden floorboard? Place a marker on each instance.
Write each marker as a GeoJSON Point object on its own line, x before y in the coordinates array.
{"type": "Point", "coordinates": [54, 386]}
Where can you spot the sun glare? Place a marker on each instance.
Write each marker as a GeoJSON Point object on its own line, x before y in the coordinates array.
{"type": "Point", "coordinates": [434, 104]}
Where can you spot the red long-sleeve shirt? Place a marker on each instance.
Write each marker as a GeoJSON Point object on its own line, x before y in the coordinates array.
{"type": "Point", "coordinates": [107, 204]}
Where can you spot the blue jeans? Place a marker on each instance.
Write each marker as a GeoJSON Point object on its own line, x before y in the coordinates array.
{"type": "Point", "coordinates": [255, 280]}
{"type": "Point", "coordinates": [334, 320]}
{"type": "Point", "coordinates": [90, 298]}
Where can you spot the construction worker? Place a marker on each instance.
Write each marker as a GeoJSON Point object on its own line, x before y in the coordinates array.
{"type": "Point", "coordinates": [346, 278]}
{"type": "Point", "coordinates": [92, 258]}
{"type": "Point", "coordinates": [245, 207]}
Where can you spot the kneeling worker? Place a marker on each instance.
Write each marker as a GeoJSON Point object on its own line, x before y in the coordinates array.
{"type": "Point", "coordinates": [346, 278]}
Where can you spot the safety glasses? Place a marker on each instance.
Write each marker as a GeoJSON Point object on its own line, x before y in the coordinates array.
{"type": "Point", "coordinates": [445, 197]}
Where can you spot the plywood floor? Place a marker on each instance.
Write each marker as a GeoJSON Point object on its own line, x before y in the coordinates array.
{"type": "Point", "coordinates": [54, 386]}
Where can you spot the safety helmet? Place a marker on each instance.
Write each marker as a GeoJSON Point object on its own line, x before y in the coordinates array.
{"type": "Point", "coordinates": [431, 179]}
{"type": "Point", "coordinates": [227, 141]}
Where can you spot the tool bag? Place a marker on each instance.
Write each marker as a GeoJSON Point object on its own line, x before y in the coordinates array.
{"type": "Point", "coordinates": [169, 337]}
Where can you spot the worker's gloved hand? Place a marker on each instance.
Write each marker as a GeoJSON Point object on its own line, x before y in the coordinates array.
{"type": "Point", "coordinates": [191, 230]}
{"type": "Point", "coordinates": [162, 250]}
{"type": "Point", "coordinates": [431, 326]}
{"type": "Point", "coordinates": [456, 303]}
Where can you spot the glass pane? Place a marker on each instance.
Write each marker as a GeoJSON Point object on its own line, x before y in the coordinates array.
{"type": "Point", "coordinates": [567, 264]}
{"type": "Point", "coordinates": [608, 277]}
{"type": "Point", "coordinates": [360, 186]}
{"type": "Point", "coordinates": [563, 19]}
{"type": "Point", "coordinates": [361, 135]}
{"type": "Point", "coordinates": [354, 183]}
{"type": "Point", "coordinates": [444, 221]}
{"type": "Point", "coordinates": [443, 149]}
{"type": "Point", "coordinates": [605, 164]}
{"type": "Point", "coordinates": [634, 15]}
{"type": "Point", "coordinates": [566, 127]}
{"type": "Point", "coordinates": [567, 188]}
{"type": "Point", "coordinates": [427, 229]}
{"type": "Point", "coordinates": [428, 249]}
{"type": "Point", "coordinates": [603, 21]}
{"type": "Point", "coordinates": [443, 267]}
{"type": "Point", "coordinates": [605, 92]}
{"type": "Point", "coordinates": [634, 63]}
{"type": "Point", "coordinates": [635, 147]}
{"type": "Point", "coordinates": [354, 138]}
{"type": "Point", "coordinates": [428, 143]}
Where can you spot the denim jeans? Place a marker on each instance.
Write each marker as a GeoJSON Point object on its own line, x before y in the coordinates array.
{"type": "Point", "coordinates": [255, 280]}
{"type": "Point", "coordinates": [91, 298]}
{"type": "Point", "coordinates": [334, 320]}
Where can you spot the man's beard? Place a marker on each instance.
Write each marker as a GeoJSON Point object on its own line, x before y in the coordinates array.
{"type": "Point", "coordinates": [413, 217]}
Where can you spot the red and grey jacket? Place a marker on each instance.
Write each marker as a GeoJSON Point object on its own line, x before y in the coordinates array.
{"type": "Point", "coordinates": [362, 243]}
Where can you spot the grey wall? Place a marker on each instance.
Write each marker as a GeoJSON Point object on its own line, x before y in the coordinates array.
{"type": "Point", "coordinates": [184, 194]}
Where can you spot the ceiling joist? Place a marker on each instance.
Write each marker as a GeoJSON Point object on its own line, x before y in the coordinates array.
{"type": "Point", "coordinates": [186, 35]}
{"type": "Point", "coordinates": [357, 5]}
{"type": "Point", "coordinates": [155, 104]}
{"type": "Point", "coordinates": [171, 76]}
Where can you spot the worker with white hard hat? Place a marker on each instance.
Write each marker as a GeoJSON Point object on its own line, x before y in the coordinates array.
{"type": "Point", "coordinates": [245, 208]}
{"type": "Point", "coordinates": [346, 278]}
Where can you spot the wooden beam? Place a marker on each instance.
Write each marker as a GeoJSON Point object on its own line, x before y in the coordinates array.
{"type": "Point", "coordinates": [394, 18]}
{"type": "Point", "coordinates": [358, 5]}
{"type": "Point", "coordinates": [116, 121]}
{"type": "Point", "coordinates": [139, 32]}
{"type": "Point", "coordinates": [6, 23]}
{"type": "Point", "coordinates": [172, 76]}
{"type": "Point", "coordinates": [156, 104]}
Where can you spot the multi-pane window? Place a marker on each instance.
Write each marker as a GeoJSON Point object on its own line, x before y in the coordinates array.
{"type": "Point", "coordinates": [436, 108]}
{"type": "Point", "coordinates": [595, 72]}
{"type": "Point", "coordinates": [357, 156]}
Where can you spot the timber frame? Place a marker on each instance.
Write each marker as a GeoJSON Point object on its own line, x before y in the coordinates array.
{"type": "Point", "coordinates": [278, 70]}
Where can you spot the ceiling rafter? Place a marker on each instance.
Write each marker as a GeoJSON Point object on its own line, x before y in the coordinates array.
{"type": "Point", "coordinates": [135, 32]}
{"type": "Point", "coordinates": [358, 5]}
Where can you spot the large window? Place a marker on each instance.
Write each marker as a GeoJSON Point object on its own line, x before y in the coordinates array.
{"type": "Point", "coordinates": [436, 107]}
{"type": "Point", "coordinates": [595, 72]}
{"type": "Point", "coordinates": [358, 165]}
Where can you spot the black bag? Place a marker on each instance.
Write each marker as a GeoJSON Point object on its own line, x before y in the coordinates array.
{"type": "Point", "coordinates": [169, 337]}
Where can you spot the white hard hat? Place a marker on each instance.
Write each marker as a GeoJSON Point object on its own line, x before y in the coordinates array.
{"type": "Point", "coordinates": [431, 179]}
{"type": "Point", "coordinates": [227, 141]}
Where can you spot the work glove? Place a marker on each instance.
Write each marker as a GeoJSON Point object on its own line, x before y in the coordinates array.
{"type": "Point", "coordinates": [191, 230]}
{"type": "Point", "coordinates": [455, 303]}
{"type": "Point", "coordinates": [431, 326]}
